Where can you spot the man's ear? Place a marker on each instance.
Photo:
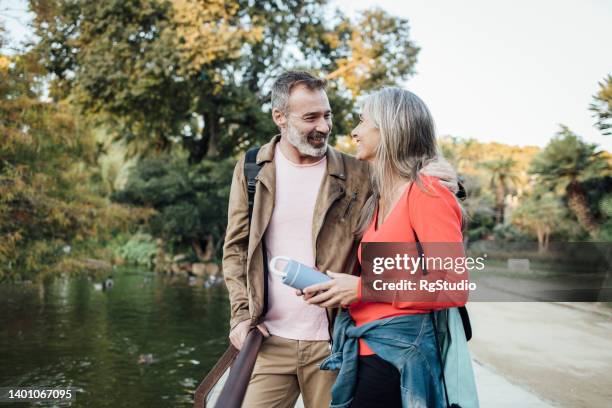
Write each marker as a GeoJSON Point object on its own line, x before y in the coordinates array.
{"type": "Point", "coordinates": [279, 118]}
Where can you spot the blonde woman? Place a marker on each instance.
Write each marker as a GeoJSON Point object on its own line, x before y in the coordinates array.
{"type": "Point", "coordinates": [386, 352]}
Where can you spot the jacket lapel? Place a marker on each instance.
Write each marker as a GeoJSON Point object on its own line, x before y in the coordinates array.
{"type": "Point", "coordinates": [332, 189]}
{"type": "Point", "coordinates": [264, 194]}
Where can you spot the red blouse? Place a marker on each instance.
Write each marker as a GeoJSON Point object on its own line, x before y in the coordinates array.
{"type": "Point", "coordinates": [435, 215]}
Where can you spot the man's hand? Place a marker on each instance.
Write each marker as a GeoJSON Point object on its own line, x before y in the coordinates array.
{"type": "Point", "coordinates": [442, 169]}
{"type": "Point", "coordinates": [340, 290]}
{"type": "Point", "coordinates": [240, 331]}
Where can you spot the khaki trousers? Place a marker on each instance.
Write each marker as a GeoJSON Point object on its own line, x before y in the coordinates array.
{"type": "Point", "coordinates": [284, 368]}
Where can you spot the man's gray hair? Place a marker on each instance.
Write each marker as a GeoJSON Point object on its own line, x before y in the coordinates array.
{"type": "Point", "coordinates": [281, 89]}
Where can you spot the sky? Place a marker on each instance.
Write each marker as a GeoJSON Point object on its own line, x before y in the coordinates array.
{"type": "Point", "coordinates": [494, 70]}
{"type": "Point", "coordinates": [507, 71]}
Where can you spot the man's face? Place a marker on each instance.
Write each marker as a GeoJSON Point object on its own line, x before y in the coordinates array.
{"type": "Point", "coordinates": [307, 123]}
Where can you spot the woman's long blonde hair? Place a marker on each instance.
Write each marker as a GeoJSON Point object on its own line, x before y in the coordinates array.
{"type": "Point", "coordinates": [407, 144]}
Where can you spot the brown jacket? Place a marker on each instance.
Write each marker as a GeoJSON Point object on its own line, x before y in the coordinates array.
{"type": "Point", "coordinates": [344, 190]}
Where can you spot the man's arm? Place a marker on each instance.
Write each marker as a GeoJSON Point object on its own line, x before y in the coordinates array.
{"type": "Point", "coordinates": [236, 246]}
{"type": "Point", "coordinates": [443, 170]}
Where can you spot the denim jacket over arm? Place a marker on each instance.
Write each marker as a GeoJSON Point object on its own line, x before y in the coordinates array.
{"type": "Point", "coordinates": [405, 341]}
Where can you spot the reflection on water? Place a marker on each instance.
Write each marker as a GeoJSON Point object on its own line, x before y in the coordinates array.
{"type": "Point", "coordinates": [146, 342]}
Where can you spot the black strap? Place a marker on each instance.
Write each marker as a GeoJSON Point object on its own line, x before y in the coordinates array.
{"type": "Point", "coordinates": [461, 194]}
{"type": "Point", "coordinates": [465, 319]}
{"type": "Point", "coordinates": [251, 170]}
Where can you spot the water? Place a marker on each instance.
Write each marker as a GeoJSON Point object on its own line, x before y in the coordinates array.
{"type": "Point", "coordinates": [67, 333]}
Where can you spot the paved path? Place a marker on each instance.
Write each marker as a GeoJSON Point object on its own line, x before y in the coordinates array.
{"type": "Point", "coordinates": [496, 391]}
{"type": "Point", "coordinates": [560, 352]}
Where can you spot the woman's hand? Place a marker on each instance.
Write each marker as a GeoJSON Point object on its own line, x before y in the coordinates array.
{"type": "Point", "coordinates": [340, 290]}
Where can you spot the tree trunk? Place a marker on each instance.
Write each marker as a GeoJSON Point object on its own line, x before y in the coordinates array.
{"type": "Point", "coordinates": [195, 244]}
{"type": "Point", "coordinates": [540, 235]}
{"type": "Point", "coordinates": [500, 195]}
{"type": "Point", "coordinates": [212, 123]}
{"type": "Point", "coordinates": [196, 147]}
{"type": "Point", "coordinates": [206, 145]}
{"type": "Point", "coordinates": [206, 253]}
{"type": "Point", "coordinates": [577, 202]}
{"type": "Point", "coordinates": [209, 250]}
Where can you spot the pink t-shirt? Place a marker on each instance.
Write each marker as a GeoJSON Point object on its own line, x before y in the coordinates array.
{"type": "Point", "coordinates": [290, 234]}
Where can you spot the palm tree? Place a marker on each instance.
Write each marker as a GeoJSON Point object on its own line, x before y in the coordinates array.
{"type": "Point", "coordinates": [502, 174]}
{"type": "Point", "coordinates": [540, 214]}
{"type": "Point", "coordinates": [602, 106]}
{"type": "Point", "coordinates": [565, 163]}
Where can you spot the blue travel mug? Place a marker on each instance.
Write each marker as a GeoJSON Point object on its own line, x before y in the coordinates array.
{"type": "Point", "coordinates": [297, 275]}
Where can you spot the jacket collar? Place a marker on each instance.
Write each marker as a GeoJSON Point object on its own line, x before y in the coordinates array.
{"type": "Point", "coordinates": [335, 164]}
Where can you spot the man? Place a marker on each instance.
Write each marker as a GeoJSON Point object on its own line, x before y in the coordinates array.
{"type": "Point", "coordinates": [307, 204]}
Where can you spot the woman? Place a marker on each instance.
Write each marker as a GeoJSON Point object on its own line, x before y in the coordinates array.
{"type": "Point", "coordinates": [396, 136]}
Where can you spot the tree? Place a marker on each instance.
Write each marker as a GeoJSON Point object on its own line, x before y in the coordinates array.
{"type": "Point", "coordinates": [197, 74]}
{"type": "Point", "coordinates": [602, 106]}
{"type": "Point", "coordinates": [190, 200]}
{"type": "Point", "coordinates": [472, 160]}
{"type": "Point", "coordinates": [190, 80]}
{"type": "Point", "coordinates": [605, 206]}
{"type": "Point", "coordinates": [564, 165]}
{"type": "Point", "coordinates": [502, 174]}
{"type": "Point", "coordinates": [46, 154]}
{"type": "Point", "coordinates": [540, 214]}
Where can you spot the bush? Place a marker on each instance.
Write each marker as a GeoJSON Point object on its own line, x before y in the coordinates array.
{"type": "Point", "coordinates": [140, 249]}
{"type": "Point", "coordinates": [510, 233]}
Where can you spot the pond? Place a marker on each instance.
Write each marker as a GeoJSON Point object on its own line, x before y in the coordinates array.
{"type": "Point", "coordinates": [145, 342]}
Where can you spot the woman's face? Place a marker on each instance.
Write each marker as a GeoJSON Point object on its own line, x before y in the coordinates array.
{"type": "Point", "coordinates": [367, 137]}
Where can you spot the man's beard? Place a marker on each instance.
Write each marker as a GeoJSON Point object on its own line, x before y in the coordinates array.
{"type": "Point", "coordinates": [301, 142]}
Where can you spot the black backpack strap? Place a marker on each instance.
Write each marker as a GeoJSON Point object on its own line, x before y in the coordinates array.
{"type": "Point", "coordinates": [251, 170]}
{"type": "Point", "coordinates": [461, 194]}
{"type": "Point", "coordinates": [465, 319]}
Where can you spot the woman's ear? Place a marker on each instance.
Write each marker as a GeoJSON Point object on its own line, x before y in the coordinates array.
{"type": "Point", "coordinates": [279, 118]}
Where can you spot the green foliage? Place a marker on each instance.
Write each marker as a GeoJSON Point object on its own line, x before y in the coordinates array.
{"type": "Point", "coordinates": [503, 173]}
{"type": "Point", "coordinates": [140, 249]}
{"type": "Point", "coordinates": [557, 189]}
{"type": "Point", "coordinates": [602, 106]}
{"type": "Point", "coordinates": [480, 208]}
{"type": "Point", "coordinates": [567, 158]}
{"type": "Point", "coordinates": [490, 172]}
{"type": "Point", "coordinates": [191, 200]}
{"type": "Point", "coordinates": [540, 214]}
{"type": "Point", "coordinates": [509, 233]}
{"type": "Point", "coordinates": [197, 74]}
{"type": "Point", "coordinates": [564, 166]}
{"type": "Point", "coordinates": [605, 208]}
{"type": "Point", "coordinates": [46, 199]}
